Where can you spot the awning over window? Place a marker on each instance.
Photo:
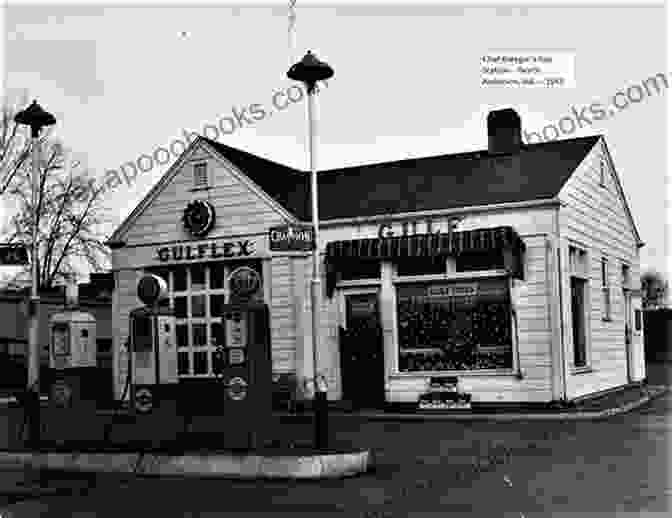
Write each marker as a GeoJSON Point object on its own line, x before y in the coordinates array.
{"type": "Point", "coordinates": [431, 245]}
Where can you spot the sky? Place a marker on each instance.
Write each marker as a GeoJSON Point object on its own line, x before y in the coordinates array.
{"type": "Point", "coordinates": [124, 80]}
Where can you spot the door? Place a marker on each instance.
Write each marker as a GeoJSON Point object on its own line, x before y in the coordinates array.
{"type": "Point", "coordinates": [579, 321]}
{"type": "Point", "coordinates": [627, 304]}
{"type": "Point", "coordinates": [361, 345]}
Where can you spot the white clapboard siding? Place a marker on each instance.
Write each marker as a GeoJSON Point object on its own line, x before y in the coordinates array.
{"type": "Point", "coordinates": [595, 219]}
{"type": "Point", "coordinates": [240, 210]}
{"type": "Point", "coordinates": [534, 342]}
{"type": "Point", "coordinates": [531, 221]}
{"type": "Point", "coordinates": [283, 315]}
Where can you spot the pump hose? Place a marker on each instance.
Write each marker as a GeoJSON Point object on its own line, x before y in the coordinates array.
{"type": "Point", "coordinates": [115, 415]}
{"type": "Point", "coordinates": [24, 399]}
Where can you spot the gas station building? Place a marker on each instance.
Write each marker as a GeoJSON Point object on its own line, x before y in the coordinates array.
{"type": "Point", "coordinates": [509, 274]}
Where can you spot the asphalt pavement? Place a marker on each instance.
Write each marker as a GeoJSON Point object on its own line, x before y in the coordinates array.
{"type": "Point", "coordinates": [575, 468]}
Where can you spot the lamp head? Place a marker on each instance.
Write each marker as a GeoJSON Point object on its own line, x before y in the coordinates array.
{"type": "Point", "coordinates": [310, 70]}
{"type": "Point", "coordinates": [35, 117]}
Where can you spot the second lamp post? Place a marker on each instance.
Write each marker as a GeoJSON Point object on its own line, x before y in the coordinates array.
{"type": "Point", "coordinates": [309, 71]}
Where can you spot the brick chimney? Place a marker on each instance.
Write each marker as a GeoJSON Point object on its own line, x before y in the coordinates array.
{"type": "Point", "coordinates": [504, 132]}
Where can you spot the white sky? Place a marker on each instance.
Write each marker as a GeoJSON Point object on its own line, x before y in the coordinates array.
{"type": "Point", "coordinates": [122, 81]}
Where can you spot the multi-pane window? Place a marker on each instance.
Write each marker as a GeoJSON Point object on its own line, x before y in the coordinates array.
{"type": "Point", "coordinates": [603, 172]}
{"type": "Point", "coordinates": [606, 301]}
{"type": "Point", "coordinates": [198, 294]}
{"type": "Point", "coordinates": [200, 175]}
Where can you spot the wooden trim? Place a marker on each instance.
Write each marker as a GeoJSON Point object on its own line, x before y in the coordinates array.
{"type": "Point", "coordinates": [557, 386]}
{"type": "Point", "coordinates": [462, 276]}
{"type": "Point", "coordinates": [393, 217]}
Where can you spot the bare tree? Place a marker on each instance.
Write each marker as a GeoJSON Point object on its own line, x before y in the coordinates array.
{"type": "Point", "coordinates": [14, 142]}
{"type": "Point", "coordinates": [654, 289]}
{"type": "Point", "coordinates": [69, 217]}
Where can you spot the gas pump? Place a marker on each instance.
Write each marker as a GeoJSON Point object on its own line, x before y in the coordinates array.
{"type": "Point", "coordinates": [243, 366]}
{"type": "Point", "coordinates": [153, 351]}
{"type": "Point", "coordinates": [72, 360]}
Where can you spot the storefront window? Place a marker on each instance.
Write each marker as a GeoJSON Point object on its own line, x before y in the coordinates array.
{"type": "Point", "coordinates": [180, 279]}
{"type": "Point", "coordinates": [217, 334]}
{"type": "Point", "coordinates": [198, 306]}
{"type": "Point", "coordinates": [182, 362]}
{"type": "Point", "coordinates": [180, 307]}
{"type": "Point", "coordinates": [422, 266]}
{"type": "Point", "coordinates": [199, 335]}
{"type": "Point", "coordinates": [200, 362]}
{"type": "Point", "coordinates": [447, 326]}
{"type": "Point", "coordinates": [217, 277]}
{"type": "Point", "coordinates": [182, 335]}
{"type": "Point", "coordinates": [216, 305]}
{"type": "Point", "coordinates": [197, 278]}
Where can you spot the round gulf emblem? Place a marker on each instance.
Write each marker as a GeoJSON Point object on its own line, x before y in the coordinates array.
{"type": "Point", "coordinates": [199, 217]}
{"type": "Point", "coordinates": [244, 281]}
{"type": "Point", "coordinates": [144, 400]}
{"type": "Point", "coordinates": [237, 389]}
{"type": "Point", "coordinates": [151, 289]}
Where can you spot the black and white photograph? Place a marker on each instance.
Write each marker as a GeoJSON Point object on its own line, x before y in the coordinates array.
{"type": "Point", "coordinates": [335, 258]}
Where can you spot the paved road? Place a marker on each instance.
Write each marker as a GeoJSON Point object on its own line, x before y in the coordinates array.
{"type": "Point", "coordinates": [462, 469]}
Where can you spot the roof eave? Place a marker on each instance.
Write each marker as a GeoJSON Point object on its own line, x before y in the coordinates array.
{"type": "Point", "coordinates": [541, 203]}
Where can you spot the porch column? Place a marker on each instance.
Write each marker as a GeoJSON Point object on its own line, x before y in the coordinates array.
{"type": "Point", "coordinates": [555, 316]}
{"type": "Point", "coordinates": [388, 319]}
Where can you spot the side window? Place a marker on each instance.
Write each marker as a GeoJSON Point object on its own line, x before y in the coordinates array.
{"type": "Point", "coordinates": [200, 175]}
{"type": "Point", "coordinates": [606, 301]}
{"type": "Point", "coordinates": [603, 172]}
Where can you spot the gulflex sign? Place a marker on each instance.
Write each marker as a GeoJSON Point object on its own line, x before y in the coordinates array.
{"type": "Point", "coordinates": [214, 250]}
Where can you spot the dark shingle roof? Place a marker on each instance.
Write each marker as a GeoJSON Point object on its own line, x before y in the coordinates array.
{"type": "Point", "coordinates": [287, 186]}
{"type": "Point", "coordinates": [538, 171]}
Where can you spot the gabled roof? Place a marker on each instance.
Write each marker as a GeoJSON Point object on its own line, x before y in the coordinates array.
{"type": "Point", "coordinates": [289, 187]}
{"type": "Point", "coordinates": [451, 181]}
{"type": "Point", "coordinates": [536, 172]}
{"type": "Point", "coordinates": [253, 167]}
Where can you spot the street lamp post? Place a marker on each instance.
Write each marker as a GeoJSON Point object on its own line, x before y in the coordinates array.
{"type": "Point", "coordinates": [309, 71]}
{"type": "Point", "coordinates": [37, 118]}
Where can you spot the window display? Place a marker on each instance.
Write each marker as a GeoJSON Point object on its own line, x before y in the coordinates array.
{"type": "Point", "coordinates": [448, 326]}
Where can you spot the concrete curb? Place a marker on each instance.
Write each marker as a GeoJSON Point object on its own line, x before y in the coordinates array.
{"type": "Point", "coordinates": [215, 465]}
{"type": "Point", "coordinates": [652, 393]}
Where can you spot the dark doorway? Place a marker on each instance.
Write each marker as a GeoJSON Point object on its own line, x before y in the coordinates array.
{"type": "Point", "coordinates": [361, 344]}
{"type": "Point", "coordinates": [579, 321]}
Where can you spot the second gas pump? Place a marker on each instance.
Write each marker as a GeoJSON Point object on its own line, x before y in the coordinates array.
{"type": "Point", "coordinates": [153, 352]}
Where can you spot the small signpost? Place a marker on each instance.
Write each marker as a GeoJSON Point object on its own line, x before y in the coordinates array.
{"type": "Point", "coordinates": [13, 255]}
{"type": "Point", "coordinates": [291, 238]}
